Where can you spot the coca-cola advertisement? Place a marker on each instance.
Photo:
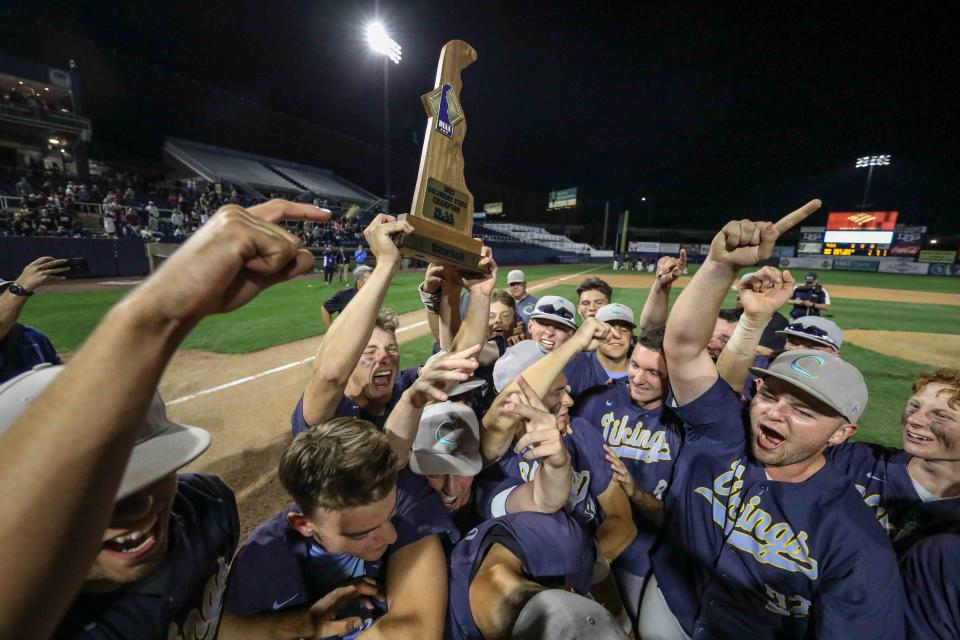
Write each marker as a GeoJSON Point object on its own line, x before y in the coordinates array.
{"type": "Point", "coordinates": [905, 250]}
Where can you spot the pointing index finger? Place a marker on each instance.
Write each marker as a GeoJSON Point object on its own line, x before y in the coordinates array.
{"type": "Point", "coordinates": [794, 218]}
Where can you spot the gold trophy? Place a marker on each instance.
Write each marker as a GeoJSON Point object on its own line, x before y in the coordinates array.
{"type": "Point", "coordinates": [442, 209]}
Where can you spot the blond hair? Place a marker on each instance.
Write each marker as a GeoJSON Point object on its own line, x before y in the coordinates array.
{"type": "Point", "coordinates": [387, 320]}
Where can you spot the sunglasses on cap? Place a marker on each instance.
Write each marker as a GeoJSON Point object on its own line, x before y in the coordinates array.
{"type": "Point", "coordinates": [560, 312]}
{"type": "Point", "coordinates": [811, 331]}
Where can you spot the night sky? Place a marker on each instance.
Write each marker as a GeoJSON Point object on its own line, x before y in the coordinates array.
{"type": "Point", "coordinates": [708, 110]}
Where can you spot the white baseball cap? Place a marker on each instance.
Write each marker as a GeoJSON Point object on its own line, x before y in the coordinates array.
{"type": "Point", "coordinates": [815, 329]}
{"type": "Point", "coordinates": [162, 446]}
{"type": "Point", "coordinates": [516, 276]}
{"type": "Point", "coordinates": [614, 312]}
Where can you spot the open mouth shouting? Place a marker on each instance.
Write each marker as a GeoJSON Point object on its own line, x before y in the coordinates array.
{"type": "Point", "coordinates": [135, 545]}
{"type": "Point", "coordinates": [769, 439]}
{"type": "Point", "coordinates": [382, 379]}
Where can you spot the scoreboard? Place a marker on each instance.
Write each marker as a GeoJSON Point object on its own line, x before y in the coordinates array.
{"type": "Point", "coordinates": [854, 249]}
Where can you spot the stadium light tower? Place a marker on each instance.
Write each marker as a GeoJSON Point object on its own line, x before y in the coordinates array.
{"type": "Point", "coordinates": [869, 162]}
{"type": "Point", "coordinates": [381, 43]}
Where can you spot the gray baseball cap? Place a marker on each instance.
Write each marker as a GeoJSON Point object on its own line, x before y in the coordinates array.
{"type": "Point", "coordinates": [826, 377]}
{"type": "Point", "coordinates": [561, 615]}
{"type": "Point", "coordinates": [516, 276]}
{"type": "Point", "coordinates": [448, 441]}
{"type": "Point", "coordinates": [616, 312]}
{"type": "Point", "coordinates": [555, 309]}
{"type": "Point", "coordinates": [514, 361]}
{"type": "Point", "coordinates": [162, 446]}
{"type": "Point", "coordinates": [815, 329]}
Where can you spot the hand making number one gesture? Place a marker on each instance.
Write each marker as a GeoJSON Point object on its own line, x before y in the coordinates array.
{"type": "Point", "coordinates": [742, 243]}
{"type": "Point", "coordinates": [542, 439]}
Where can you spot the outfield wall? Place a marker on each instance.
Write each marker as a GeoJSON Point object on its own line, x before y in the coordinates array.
{"type": "Point", "coordinates": [107, 258]}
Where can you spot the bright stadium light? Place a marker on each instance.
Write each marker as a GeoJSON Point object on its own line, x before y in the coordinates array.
{"type": "Point", "coordinates": [873, 161]}
{"type": "Point", "coordinates": [381, 43]}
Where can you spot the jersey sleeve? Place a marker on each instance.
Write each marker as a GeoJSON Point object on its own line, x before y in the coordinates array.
{"type": "Point", "coordinates": [335, 304]}
{"type": "Point", "coordinates": [297, 421]}
{"type": "Point", "coordinates": [420, 512]}
{"type": "Point", "coordinates": [583, 373]}
{"type": "Point", "coordinates": [265, 575]}
{"type": "Point", "coordinates": [716, 415]}
{"type": "Point", "coordinates": [931, 577]}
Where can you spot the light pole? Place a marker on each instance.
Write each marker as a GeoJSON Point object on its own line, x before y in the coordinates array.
{"type": "Point", "coordinates": [870, 162]}
{"type": "Point", "coordinates": [381, 43]}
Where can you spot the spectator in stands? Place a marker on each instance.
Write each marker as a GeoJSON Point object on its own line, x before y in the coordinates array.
{"type": "Point", "coordinates": [517, 286]}
{"type": "Point", "coordinates": [24, 188]}
{"type": "Point", "coordinates": [23, 347]}
{"type": "Point", "coordinates": [341, 298]}
{"type": "Point", "coordinates": [177, 219]}
{"type": "Point", "coordinates": [152, 210]}
{"type": "Point", "coordinates": [360, 255]}
{"type": "Point", "coordinates": [109, 222]}
{"type": "Point", "coordinates": [83, 195]}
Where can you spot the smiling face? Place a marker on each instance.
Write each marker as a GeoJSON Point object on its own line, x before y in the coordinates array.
{"type": "Point", "coordinates": [789, 426]}
{"type": "Point", "coordinates": [501, 320]}
{"type": "Point", "coordinates": [931, 427]}
{"type": "Point", "coordinates": [549, 335]}
{"type": "Point", "coordinates": [137, 537]}
{"type": "Point", "coordinates": [454, 490]}
{"type": "Point", "coordinates": [617, 344]}
{"type": "Point", "coordinates": [364, 531]}
{"type": "Point", "coordinates": [647, 373]}
{"type": "Point", "coordinates": [590, 302]}
{"type": "Point", "coordinates": [376, 371]}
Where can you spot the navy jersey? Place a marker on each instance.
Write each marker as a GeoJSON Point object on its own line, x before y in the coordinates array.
{"type": "Point", "coordinates": [740, 551]}
{"type": "Point", "coordinates": [23, 348]}
{"type": "Point", "coordinates": [879, 474]}
{"type": "Point", "coordinates": [347, 407]}
{"type": "Point", "coordinates": [931, 579]}
{"type": "Point", "coordinates": [182, 598]}
{"type": "Point", "coordinates": [648, 443]}
{"type": "Point", "coordinates": [816, 295]}
{"type": "Point", "coordinates": [277, 568]}
{"type": "Point", "coordinates": [584, 371]}
{"type": "Point", "coordinates": [591, 477]}
{"type": "Point", "coordinates": [565, 563]}
{"type": "Point", "coordinates": [524, 308]}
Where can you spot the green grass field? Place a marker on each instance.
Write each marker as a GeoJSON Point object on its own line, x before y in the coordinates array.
{"type": "Point", "coordinates": [289, 312]}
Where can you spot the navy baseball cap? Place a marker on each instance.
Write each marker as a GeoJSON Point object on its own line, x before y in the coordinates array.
{"type": "Point", "coordinates": [162, 446]}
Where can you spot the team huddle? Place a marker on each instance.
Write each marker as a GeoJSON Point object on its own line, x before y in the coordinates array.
{"type": "Point", "coordinates": [557, 469]}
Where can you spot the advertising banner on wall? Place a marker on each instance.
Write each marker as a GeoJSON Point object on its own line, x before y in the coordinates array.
{"type": "Point", "coordinates": [853, 264]}
{"type": "Point", "coordinates": [812, 234]}
{"type": "Point", "coordinates": [904, 266]}
{"type": "Point", "coordinates": [493, 208]}
{"type": "Point", "coordinates": [862, 220]}
{"type": "Point", "coordinates": [945, 257]}
{"type": "Point", "coordinates": [670, 248]}
{"type": "Point", "coordinates": [806, 263]}
{"type": "Point", "coordinates": [643, 247]}
{"type": "Point", "coordinates": [941, 269]}
{"type": "Point", "coordinates": [562, 199]}
{"type": "Point", "coordinates": [810, 247]}
{"type": "Point", "coordinates": [783, 252]}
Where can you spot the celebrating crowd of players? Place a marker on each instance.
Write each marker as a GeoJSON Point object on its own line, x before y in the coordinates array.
{"type": "Point", "coordinates": [674, 475]}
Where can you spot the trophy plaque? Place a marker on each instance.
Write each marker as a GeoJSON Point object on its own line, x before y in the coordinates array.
{"type": "Point", "coordinates": [442, 210]}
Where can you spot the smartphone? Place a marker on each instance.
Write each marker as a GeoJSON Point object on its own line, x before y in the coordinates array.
{"type": "Point", "coordinates": [77, 267]}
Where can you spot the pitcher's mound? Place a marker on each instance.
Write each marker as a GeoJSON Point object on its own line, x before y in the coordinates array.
{"type": "Point", "coordinates": [935, 349]}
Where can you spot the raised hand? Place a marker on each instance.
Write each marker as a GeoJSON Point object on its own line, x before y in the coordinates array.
{"type": "Point", "coordinates": [231, 259]}
{"type": "Point", "coordinates": [591, 334]}
{"type": "Point", "coordinates": [670, 268]}
{"type": "Point", "coordinates": [436, 276]}
{"type": "Point", "coordinates": [743, 243]}
{"type": "Point", "coordinates": [486, 282]}
{"type": "Point", "coordinates": [542, 439]}
{"type": "Point", "coordinates": [41, 271]}
{"type": "Point", "coordinates": [380, 235]}
{"type": "Point", "coordinates": [763, 292]}
{"type": "Point", "coordinates": [324, 611]}
{"type": "Point", "coordinates": [442, 373]}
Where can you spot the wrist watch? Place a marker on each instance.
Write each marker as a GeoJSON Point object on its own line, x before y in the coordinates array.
{"type": "Point", "coordinates": [17, 290]}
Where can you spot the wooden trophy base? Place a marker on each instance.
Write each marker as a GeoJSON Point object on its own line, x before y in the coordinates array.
{"type": "Point", "coordinates": [438, 243]}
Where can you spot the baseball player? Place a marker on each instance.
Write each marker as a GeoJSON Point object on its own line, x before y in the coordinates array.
{"type": "Point", "coordinates": [517, 286]}
{"type": "Point", "coordinates": [914, 491]}
{"type": "Point", "coordinates": [592, 295]}
{"type": "Point", "coordinates": [356, 368]}
{"type": "Point", "coordinates": [235, 256]}
{"type": "Point", "coordinates": [315, 568]}
{"type": "Point", "coordinates": [610, 360]}
{"type": "Point", "coordinates": [810, 298]}
{"type": "Point", "coordinates": [813, 332]}
{"type": "Point", "coordinates": [931, 580]}
{"type": "Point", "coordinates": [760, 532]}
{"type": "Point", "coordinates": [642, 440]}
{"type": "Point", "coordinates": [550, 325]}
{"type": "Point", "coordinates": [163, 560]}
{"type": "Point", "coordinates": [339, 301]}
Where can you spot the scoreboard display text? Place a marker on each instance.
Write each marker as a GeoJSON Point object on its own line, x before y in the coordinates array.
{"type": "Point", "coordinates": [854, 249]}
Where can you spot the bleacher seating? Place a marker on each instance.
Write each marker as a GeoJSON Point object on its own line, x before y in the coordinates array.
{"type": "Point", "coordinates": [537, 236]}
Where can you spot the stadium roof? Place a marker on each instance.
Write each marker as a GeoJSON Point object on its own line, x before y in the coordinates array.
{"type": "Point", "coordinates": [217, 164]}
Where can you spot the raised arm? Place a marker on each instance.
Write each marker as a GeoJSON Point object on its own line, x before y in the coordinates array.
{"type": "Point", "coordinates": [690, 325]}
{"type": "Point", "coordinates": [655, 308]}
{"type": "Point", "coordinates": [34, 275]}
{"type": "Point", "coordinates": [473, 330]}
{"type": "Point", "coordinates": [416, 588]}
{"type": "Point", "coordinates": [343, 343]}
{"type": "Point", "coordinates": [762, 293]}
{"type": "Point", "coordinates": [236, 255]}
